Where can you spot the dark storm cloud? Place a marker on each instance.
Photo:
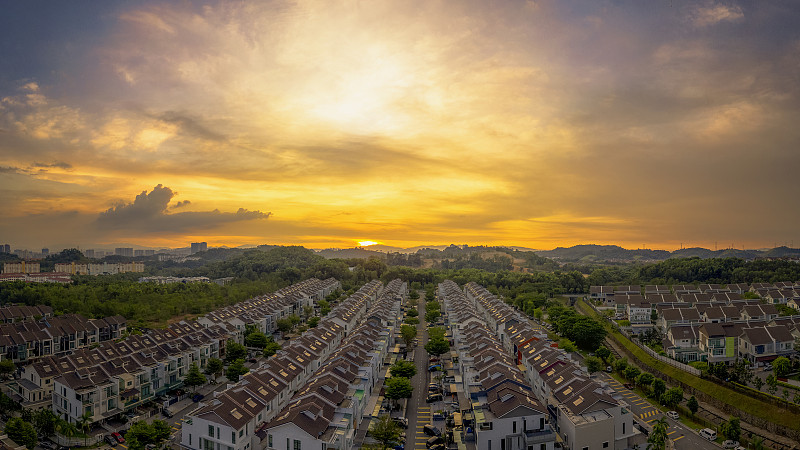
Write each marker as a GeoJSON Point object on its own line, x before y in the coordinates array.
{"type": "Point", "coordinates": [148, 214]}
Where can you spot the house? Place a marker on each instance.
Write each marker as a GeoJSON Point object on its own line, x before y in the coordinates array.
{"type": "Point", "coordinates": [719, 342]}
{"type": "Point", "coordinates": [764, 344]}
{"type": "Point", "coordinates": [682, 342]}
{"type": "Point", "coordinates": [674, 316]}
{"type": "Point", "coordinates": [759, 312]}
{"type": "Point", "coordinates": [604, 294]}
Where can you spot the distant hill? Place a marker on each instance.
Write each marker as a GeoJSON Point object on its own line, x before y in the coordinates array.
{"type": "Point", "coordinates": [611, 253]}
{"type": "Point", "coordinates": [347, 253]}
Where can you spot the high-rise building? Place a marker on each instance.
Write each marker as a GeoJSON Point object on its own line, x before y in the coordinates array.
{"type": "Point", "coordinates": [89, 253]}
{"type": "Point", "coordinates": [199, 247]}
{"type": "Point", "coordinates": [45, 251]}
{"type": "Point", "coordinates": [5, 248]}
{"type": "Point", "coordinates": [124, 251]}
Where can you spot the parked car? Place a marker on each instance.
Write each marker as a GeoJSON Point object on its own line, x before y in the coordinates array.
{"type": "Point", "coordinates": [433, 398]}
{"type": "Point", "coordinates": [433, 388]}
{"type": "Point", "coordinates": [434, 367]}
{"type": "Point", "coordinates": [253, 360]}
{"type": "Point", "coordinates": [118, 437]}
{"type": "Point", "coordinates": [433, 359]}
{"type": "Point", "coordinates": [197, 397]}
{"type": "Point", "coordinates": [730, 444]}
{"type": "Point", "coordinates": [48, 445]}
{"type": "Point", "coordinates": [708, 433]}
{"type": "Point", "coordinates": [433, 441]}
{"type": "Point", "coordinates": [438, 447]}
{"type": "Point", "coordinates": [437, 416]}
{"type": "Point", "coordinates": [110, 440]}
{"type": "Point", "coordinates": [767, 367]}
{"type": "Point", "coordinates": [402, 421]}
{"type": "Point", "coordinates": [628, 386]}
{"type": "Point", "coordinates": [673, 415]}
{"type": "Point", "coordinates": [609, 369]}
{"type": "Point", "coordinates": [166, 412]}
{"type": "Point", "coordinates": [431, 430]}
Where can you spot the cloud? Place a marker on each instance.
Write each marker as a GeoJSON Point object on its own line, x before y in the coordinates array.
{"type": "Point", "coordinates": [148, 214]}
{"type": "Point", "coordinates": [714, 13]}
{"type": "Point", "coordinates": [53, 165]}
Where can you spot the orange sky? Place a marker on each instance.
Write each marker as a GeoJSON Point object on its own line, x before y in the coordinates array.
{"type": "Point", "coordinates": [536, 124]}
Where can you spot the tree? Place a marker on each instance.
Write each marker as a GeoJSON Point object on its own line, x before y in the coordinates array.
{"type": "Point", "coordinates": [235, 370]}
{"type": "Point", "coordinates": [284, 325]}
{"type": "Point", "coordinates": [294, 319]}
{"type": "Point", "coordinates": [567, 345]}
{"type": "Point", "coordinates": [397, 388]}
{"type": "Point", "coordinates": [437, 347]}
{"type": "Point", "coordinates": [307, 311]}
{"type": "Point", "coordinates": [692, 405]}
{"type": "Point", "coordinates": [621, 365]}
{"type": "Point", "coordinates": [271, 348]}
{"type": "Point", "coordinates": [85, 424]}
{"type": "Point", "coordinates": [7, 367]}
{"type": "Point", "coordinates": [45, 421]}
{"type": "Point", "coordinates": [214, 367]}
{"type": "Point", "coordinates": [408, 333]}
{"type": "Point", "coordinates": [593, 364]}
{"type": "Point", "coordinates": [538, 314]}
{"type": "Point", "coordinates": [782, 366]}
{"type": "Point", "coordinates": [313, 322]}
{"type": "Point", "coordinates": [632, 372]}
{"type": "Point", "coordinates": [785, 395]}
{"type": "Point", "coordinates": [143, 433]}
{"type": "Point", "coordinates": [603, 353]}
{"type": "Point", "coordinates": [21, 432]}
{"type": "Point", "coordinates": [256, 339]}
{"type": "Point", "coordinates": [411, 320]}
{"type": "Point", "coordinates": [672, 397]}
{"type": "Point", "coordinates": [432, 316]}
{"type": "Point", "coordinates": [386, 431]}
{"type": "Point", "coordinates": [644, 380]}
{"type": "Point", "coordinates": [403, 368]}
{"type": "Point", "coordinates": [412, 312]}
{"type": "Point", "coordinates": [234, 351]}
{"type": "Point", "coordinates": [324, 307]}
{"type": "Point", "coordinates": [731, 429]}
{"type": "Point", "coordinates": [758, 383]}
{"type": "Point", "coordinates": [657, 440]}
{"type": "Point", "coordinates": [772, 384]}
{"type": "Point", "coordinates": [68, 429]}
{"type": "Point", "coordinates": [194, 378]}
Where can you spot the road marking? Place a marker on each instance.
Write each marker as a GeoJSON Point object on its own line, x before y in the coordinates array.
{"type": "Point", "coordinates": [174, 428]}
{"type": "Point", "coordinates": [679, 437]}
{"type": "Point", "coordinates": [648, 414]}
{"type": "Point", "coordinates": [671, 432]}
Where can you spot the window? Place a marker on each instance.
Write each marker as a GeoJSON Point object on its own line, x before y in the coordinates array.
{"type": "Point", "coordinates": [297, 445]}
{"type": "Point", "coordinates": [233, 437]}
{"type": "Point", "coordinates": [241, 432]}
{"type": "Point", "coordinates": [211, 430]}
{"type": "Point", "coordinates": [269, 439]}
{"type": "Point", "coordinates": [514, 427]}
{"type": "Point", "coordinates": [489, 443]}
{"type": "Point", "coordinates": [623, 427]}
{"type": "Point", "coordinates": [605, 444]}
{"type": "Point", "coordinates": [585, 448]}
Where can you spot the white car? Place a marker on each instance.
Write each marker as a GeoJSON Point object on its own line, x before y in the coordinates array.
{"type": "Point", "coordinates": [673, 415]}
{"type": "Point", "coordinates": [730, 444]}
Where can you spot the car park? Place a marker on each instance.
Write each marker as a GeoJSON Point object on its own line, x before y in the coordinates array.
{"type": "Point", "coordinates": [431, 430]}
{"type": "Point", "coordinates": [118, 437]}
{"type": "Point", "coordinates": [673, 415]}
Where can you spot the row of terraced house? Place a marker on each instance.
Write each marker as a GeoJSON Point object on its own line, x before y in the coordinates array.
{"type": "Point", "coordinates": [550, 390]}
{"type": "Point", "coordinates": [710, 322]}
{"type": "Point", "coordinates": [107, 377]}
{"type": "Point", "coordinates": [313, 393]}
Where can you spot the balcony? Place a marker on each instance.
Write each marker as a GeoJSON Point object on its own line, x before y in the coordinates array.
{"type": "Point", "coordinates": [538, 437]}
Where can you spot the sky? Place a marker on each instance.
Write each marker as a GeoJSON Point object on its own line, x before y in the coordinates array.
{"type": "Point", "coordinates": [531, 123]}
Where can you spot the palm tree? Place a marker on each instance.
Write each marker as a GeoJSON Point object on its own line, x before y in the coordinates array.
{"type": "Point", "coordinates": [658, 437]}
{"type": "Point", "coordinates": [85, 423]}
{"type": "Point", "coordinates": [757, 443]}
{"type": "Point", "coordinates": [67, 429]}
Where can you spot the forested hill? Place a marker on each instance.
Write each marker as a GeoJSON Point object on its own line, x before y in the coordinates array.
{"type": "Point", "coordinates": [614, 253]}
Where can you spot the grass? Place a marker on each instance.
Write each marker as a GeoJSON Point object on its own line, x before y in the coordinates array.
{"type": "Point", "coordinates": [736, 399]}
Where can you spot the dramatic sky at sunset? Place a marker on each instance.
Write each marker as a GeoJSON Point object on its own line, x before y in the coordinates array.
{"type": "Point", "coordinates": [325, 123]}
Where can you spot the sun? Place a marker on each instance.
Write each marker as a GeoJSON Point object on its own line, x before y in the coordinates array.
{"type": "Point", "coordinates": [367, 243]}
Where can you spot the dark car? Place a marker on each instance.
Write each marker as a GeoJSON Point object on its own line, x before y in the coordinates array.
{"type": "Point", "coordinates": [401, 421]}
{"type": "Point", "coordinates": [253, 360]}
{"type": "Point", "coordinates": [47, 445]}
{"type": "Point", "coordinates": [628, 386]}
{"type": "Point", "coordinates": [431, 430]}
{"type": "Point", "coordinates": [166, 413]}
{"type": "Point", "coordinates": [433, 441]}
{"type": "Point", "coordinates": [110, 440]}
{"type": "Point", "coordinates": [433, 398]}
{"type": "Point", "coordinates": [197, 397]}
